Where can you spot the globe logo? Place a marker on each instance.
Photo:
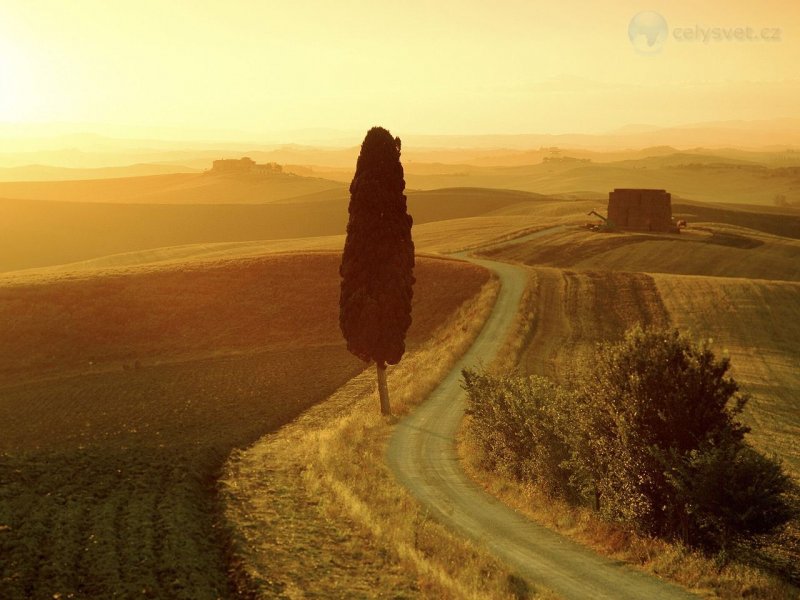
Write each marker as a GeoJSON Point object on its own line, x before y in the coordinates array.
{"type": "Point", "coordinates": [647, 32]}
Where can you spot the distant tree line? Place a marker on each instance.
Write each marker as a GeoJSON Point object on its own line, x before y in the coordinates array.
{"type": "Point", "coordinates": [649, 435]}
{"type": "Point", "coordinates": [566, 159]}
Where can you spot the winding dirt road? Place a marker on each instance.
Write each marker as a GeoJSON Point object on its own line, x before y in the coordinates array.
{"type": "Point", "coordinates": [423, 457]}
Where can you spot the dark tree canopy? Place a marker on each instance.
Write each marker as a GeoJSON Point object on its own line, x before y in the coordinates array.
{"type": "Point", "coordinates": [378, 260]}
{"type": "Point", "coordinates": [656, 431]}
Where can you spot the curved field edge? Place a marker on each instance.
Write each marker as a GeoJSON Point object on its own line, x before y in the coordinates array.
{"type": "Point", "coordinates": [702, 575]}
{"type": "Point", "coordinates": [122, 396]}
{"type": "Point", "coordinates": [315, 510]}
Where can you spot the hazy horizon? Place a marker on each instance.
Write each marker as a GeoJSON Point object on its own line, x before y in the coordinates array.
{"type": "Point", "coordinates": [742, 134]}
{"type": "Point", "coordinates": [246, 70]}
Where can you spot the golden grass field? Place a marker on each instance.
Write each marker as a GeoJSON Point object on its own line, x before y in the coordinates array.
{"type": "Point", "coordinates": [39, 233]}
{"type": "Point", "coordinates": [757, 323]}
{"type": "Point", "coordinates": [143, 349]}
{"type": "Point", "coordinates": [122, 394]}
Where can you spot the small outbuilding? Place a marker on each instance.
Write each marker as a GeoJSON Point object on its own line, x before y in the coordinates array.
{"type": "Point", "coordinates": [641, 210]}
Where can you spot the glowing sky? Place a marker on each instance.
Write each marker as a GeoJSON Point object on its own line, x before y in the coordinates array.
{"type": "Point", "coordinates": [454, 66]}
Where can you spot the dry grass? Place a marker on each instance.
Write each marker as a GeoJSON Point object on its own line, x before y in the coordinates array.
{"type": "Point", "coordinates": [703, 575]}
{"type": "Point", "coordinates": [316, 508]}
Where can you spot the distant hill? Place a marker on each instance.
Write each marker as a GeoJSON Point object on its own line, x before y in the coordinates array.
{"type": "Point", "coordinates": [37, 233]}
{"type": "Point", "coordinates": [704, 177]}
{"type": "Point", "coordinates": [50, 173]}
{"type": "Point", "coordinates": [143, 214]}
{"type": "Point", "coordinates": [172, 188]}
{"type": "Point", "coordinates": [743, 134]}
{"type": "Point", "coordinates": [52, 144]}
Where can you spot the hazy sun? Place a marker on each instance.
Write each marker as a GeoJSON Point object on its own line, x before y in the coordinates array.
{"type": "Point", "coordinates": [18, 100]}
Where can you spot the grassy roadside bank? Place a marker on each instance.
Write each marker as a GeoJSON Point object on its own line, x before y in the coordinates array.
{"type": "Point", "coordinates": [315, 509]}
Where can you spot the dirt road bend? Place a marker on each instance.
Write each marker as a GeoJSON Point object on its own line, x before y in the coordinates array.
{"type": "Point", "coordinates": [422, 455]}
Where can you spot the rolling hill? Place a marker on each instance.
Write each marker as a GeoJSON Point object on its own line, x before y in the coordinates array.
{"type": "Point", "coordinates": [757, 323]}
{"type": "Point", "coordinates": [685, 176]}
{"type": "Point", "coordinates": [35, 233]}
{"type": "Point", "coordinates": [172, 188]}
{"type": "Point", "coordinates": [704, 248]}
{"type": "Point", "coordinates": [157, 352]}
{"type": "Point", "coordinates": [122, 394]}
{"type": "Point", "coordinates": [29, 173]}
{"type": "Point", "coordinates": [40, 233]}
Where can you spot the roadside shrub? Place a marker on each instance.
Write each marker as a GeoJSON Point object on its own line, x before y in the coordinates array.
{"type": "Point", "coordinates": [657, 434]}
{"type": "Point", "coordinates": [516, 424]}
{"type": "Point", "coordinates": [729, 492]}
{"type": "Point", "coordinates": [650, 435]}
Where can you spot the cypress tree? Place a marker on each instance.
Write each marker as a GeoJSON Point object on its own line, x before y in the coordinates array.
{"type": "Point", "coordinates": [378, 261]}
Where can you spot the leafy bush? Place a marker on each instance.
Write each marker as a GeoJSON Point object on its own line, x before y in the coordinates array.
{"type": "Point", "coordinates": [730, 491]}
{"type": "Point", "coordinates": [516, 423]}
{"type": "Point", "coordinates": [650, 401]}
{"type": "Point", "coordinates": [650, 435]}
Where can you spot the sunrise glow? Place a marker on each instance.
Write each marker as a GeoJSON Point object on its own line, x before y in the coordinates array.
{"type": "Point", "coordinates": [444, 67]}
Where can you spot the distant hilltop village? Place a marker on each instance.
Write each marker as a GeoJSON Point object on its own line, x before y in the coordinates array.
{"type": "Point", "coordinates": [244, 165]}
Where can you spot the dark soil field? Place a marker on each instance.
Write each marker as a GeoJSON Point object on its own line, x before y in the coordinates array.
{"type": "Point", "coordinates": [122, 394]}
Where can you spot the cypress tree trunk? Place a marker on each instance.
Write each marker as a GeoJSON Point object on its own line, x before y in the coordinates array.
{"type": "Point", "coordinates": [383, 389]}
